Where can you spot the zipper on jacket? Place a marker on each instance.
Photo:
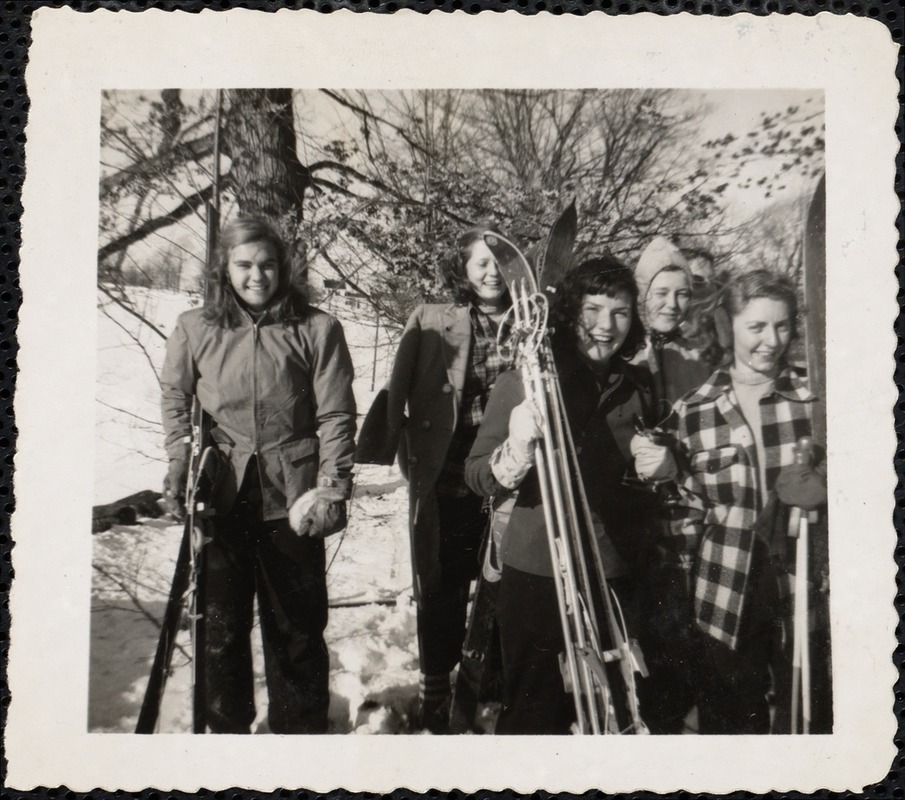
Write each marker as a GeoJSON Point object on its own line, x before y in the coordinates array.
{"type": "Point", "coordinates": [254, 407]}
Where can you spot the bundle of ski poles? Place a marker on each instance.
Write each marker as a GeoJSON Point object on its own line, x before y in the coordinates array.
{"type": "Point", "coordinates": [597, 665]}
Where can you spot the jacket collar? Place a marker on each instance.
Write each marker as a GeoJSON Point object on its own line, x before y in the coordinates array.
{"type": "Point", "coordinates": [571, 365]}
{"type": "Point", "coordinates": [455, 314]}
{"type": "Point", "coordinates": [455, 340]}
{"type": "Point", "coordinates": [248, 318]}
{"type": "Point", "coordinates": [790, 384]}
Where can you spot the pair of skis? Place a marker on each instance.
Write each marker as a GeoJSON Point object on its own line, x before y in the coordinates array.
{"type": "Point", "coordinates": [187, 588]}
{"type": "Point", "coordinates": [811, 541]}
{"type": "Point", "coordinates": [597, 663]}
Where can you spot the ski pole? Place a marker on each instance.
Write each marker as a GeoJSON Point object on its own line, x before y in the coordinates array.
{"type": "Point", "coordinates": [801, 656]}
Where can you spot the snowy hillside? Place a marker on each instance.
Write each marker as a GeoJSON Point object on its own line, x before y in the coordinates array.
{"type": "Point", "coordinates": [371, 632]}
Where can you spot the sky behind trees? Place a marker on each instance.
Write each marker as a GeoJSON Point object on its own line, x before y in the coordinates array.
{"type": "Point", "coordinates": [379, 182]}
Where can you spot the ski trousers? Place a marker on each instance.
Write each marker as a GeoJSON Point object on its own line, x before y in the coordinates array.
{"type": "Point", "coordinates": [534, 697]}
{"type": "Point", "coordinates": [688, 668]}
{"type": "Point", "coordinates": [441, 614]}
{"type": "Point", "coordinates": [248, 558]}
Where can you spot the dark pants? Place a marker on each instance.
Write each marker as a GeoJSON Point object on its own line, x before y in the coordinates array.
{"type": "Point", "coordinates": [247, 557]}
{"type": "Point", "coordinates": [671, 643]}
{"type": "Point", "coordinates": [442, 613]}
{"type": "Point", "coordinates": [534, 697]}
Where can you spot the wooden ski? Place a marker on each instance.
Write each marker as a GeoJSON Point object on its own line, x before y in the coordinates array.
{"type": "Point", "coordinates": [597, 663]}
{"type": "Point", "coordinates": [187, 588]}
{"type": "Point", "coordinates": [816, 679]}
{"type": "Point", "coordinates": [478, 678]}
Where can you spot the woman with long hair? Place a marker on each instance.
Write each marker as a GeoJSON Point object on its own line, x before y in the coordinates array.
{"type": "Point", "coordinates": [275, 377]}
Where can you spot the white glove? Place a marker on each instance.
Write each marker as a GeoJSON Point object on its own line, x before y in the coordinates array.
{"type": "Point", "coordinates": [653, 462]}
{"type": "Point", "coordinates": [513, 459]}
{"type": "Point", "coordinates": [524, 429]}
{"type": "Point", "coordinates": [319, 512]}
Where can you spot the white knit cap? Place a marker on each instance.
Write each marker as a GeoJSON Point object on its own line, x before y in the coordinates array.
{"type": "Point", "coordinates": [657, 256]}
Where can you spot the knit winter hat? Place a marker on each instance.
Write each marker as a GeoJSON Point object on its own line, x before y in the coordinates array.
{"type": "Point", "coordinates": [657, 256]}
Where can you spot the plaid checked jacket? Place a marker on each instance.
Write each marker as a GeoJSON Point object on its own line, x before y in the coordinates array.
{"type": "Point", "coordinates": [719, 456]}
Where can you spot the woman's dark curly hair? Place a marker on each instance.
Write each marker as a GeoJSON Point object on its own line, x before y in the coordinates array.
{"type": "Point", "coordinates": [728, 298]}
{"type": "Point", "coordinates": [288, 304]}
{"type": "Point", "coordinates": [604, 275]}
{"type": "Point", "coordinates": [452, 268]}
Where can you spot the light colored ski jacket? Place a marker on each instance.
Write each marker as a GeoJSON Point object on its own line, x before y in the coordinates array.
{"type": "Point", "coordinates": [280, 392]}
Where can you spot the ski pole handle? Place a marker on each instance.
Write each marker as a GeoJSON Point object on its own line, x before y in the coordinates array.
{"type": "Point", "coordinates": [804, 451]}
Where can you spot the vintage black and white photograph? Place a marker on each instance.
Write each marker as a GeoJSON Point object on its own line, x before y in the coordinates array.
{"type": "Point", "coordinates": [641, 395]}
{"type": "Point", "coordinates": [426, 409]}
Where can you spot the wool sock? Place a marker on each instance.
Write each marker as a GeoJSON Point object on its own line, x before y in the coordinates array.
{"type": "Point", "coordinates": [434, 689]}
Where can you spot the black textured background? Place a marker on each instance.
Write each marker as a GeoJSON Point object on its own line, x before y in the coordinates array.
{"type": "Point", "coordinates": [15, 38]}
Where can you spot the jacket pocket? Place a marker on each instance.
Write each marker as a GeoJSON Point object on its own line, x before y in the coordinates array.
{"type": "Point", "coordinates": [721, 473]}
{"type": "Point", "coordinates": [300, 464]}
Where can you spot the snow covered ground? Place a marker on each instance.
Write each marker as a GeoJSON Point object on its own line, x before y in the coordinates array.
{"type": "Point", "coordinates": [370, 634]}
{"type": "Point", "coordinates": [371, 629]}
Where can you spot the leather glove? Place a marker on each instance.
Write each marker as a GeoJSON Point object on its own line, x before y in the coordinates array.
{"type": "Point", "coordinates": [174, 488]}
{"type": "Point", "coordinates": [321, 511]}
{"type": "Point", "coordinates": [802, 485]}
{"type": "Point", "coordinates": [653, 462]}
{"type": "Point", "coordinates": [524, 430]}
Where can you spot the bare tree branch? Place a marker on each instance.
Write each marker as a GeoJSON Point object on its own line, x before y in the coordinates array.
{"type": "Point", "coordinates": [135, 601]}
{"type": "Point", "coordinates": [186, 207]}
{"type": "Point", "coordinates": [125, 306]}
{"type": "Point", "coordinates": [370, 115]}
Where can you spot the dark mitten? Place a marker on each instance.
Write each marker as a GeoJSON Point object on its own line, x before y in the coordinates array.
{"type": "Point", "coordinates": [802, 485]}
{"type": "Point", "coordinates": [174, 488]}
{"type": "Point", "coordinates": [327, 517]}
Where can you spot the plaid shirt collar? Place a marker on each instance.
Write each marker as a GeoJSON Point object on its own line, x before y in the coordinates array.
{"type": "Point", "coordinates": [484, 365]}
{"type": "Point", "coordinates": [790, 384]}
{"type": "Point", "coordinates": [482, 324]}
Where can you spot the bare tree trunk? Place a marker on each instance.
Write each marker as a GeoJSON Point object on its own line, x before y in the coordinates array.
{"type": "Point", "coordinates": [259, 134]}
{"type": "Point", "coordinates": [266, 174]}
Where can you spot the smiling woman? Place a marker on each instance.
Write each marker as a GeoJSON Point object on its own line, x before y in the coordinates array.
{"type": "Point", "coordinates": [603, 325]}
{"type": "Point", "coordinates": [254, 272]}
{"type": "Point", "coordinates": [445, 367]}
{"type": "Point", "coordinates": [274, 376]}
{"type": "Point", "coordinates": [743, 436]}
{"type": "Point", "coordinates": [597, 332]}
{"type": "Point", "coordinates": [664, 283]}
{"type": "Point", "coordinates": [761, 333]}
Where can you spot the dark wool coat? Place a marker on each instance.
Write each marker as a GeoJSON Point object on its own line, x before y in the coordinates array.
{"type": "Point", "coordinates": [427, 380]}
{"type": "Point", "coordinates": [676, 368]}
{"type": "Point", "coordinates": [602, 423]}
{"type": "Point", "coordinates": [282, 392]}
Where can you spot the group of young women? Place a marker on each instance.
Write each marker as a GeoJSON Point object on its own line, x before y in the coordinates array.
{"type": "Point", "coordinates": [680, 520]}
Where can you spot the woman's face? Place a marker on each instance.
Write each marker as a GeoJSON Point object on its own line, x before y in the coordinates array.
{"type": "Point", "coordinates": [484, 276]}
{"type": "Point", "coordinates": [254, 272]}
{"type": "Point", "coordinates": [603, 324]}
{"type": "Point", "coordinates": [761, 333]}
{"type": "Point", "coordinates": [666, 301]}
